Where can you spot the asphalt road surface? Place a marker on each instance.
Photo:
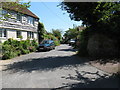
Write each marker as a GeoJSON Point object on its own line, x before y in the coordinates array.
{"type": "Point", "coordinates": [59, 68]}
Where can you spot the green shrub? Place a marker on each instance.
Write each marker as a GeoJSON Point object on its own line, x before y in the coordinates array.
{"type": "Point", "coordinates": [18, 52]}
{"type": "Point", "coordinates": [12, 42]}
{"type": "Point", "coordinates": [8, 52]}
{"type": "Point", "coordinates": [57, 43]}
{"type": "Point", "coordinates": [23, 51]}
{"type": "Point", "coordinates": [26, 44]}
{"type": "Point", "coordinates": [83, 43]}
{"type": "Point", "coordinates": [6, 48]}
{"type": "Point", "coordinates": [9, 55]}
{"type": "Point", "coordinates": [12, 48]}
{"type": "Point", "coordinates": [34, 43]}
{"type": "Point", "coordinates": [32, 49]}
{"type": "Point", "coordinates": [8, 42]}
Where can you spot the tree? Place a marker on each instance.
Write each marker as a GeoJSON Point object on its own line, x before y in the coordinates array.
{"type": "Point", "coordinates": [50, 36]}
{"type": "Point", "coordinates": [81, 11]}
{"type": "Point", "coordinates": [110, 10]}
{"type": "Point", "coordinates": [57, 33]}
{"type": "Point", "coordinates": [43, 34]}
{"type": "Point", "coordinates": [99, 17]}
{"type": "Point", "coordinates": [41, 31]}
{"type": "Point", "coordinates": [93, 14]}
{"type": "Point", "coordinates": [72, 33]}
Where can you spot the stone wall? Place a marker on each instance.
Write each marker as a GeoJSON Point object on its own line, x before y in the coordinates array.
{"type": "Point", "coordinates": [101, 46]}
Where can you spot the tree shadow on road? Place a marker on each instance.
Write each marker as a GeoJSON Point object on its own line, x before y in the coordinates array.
{"type": "Point", "coordinates": [45, 64]}
{"type": "Point", "coordinates": [102, 81]}
{"type": "Point", "coordinates": [53, 63]}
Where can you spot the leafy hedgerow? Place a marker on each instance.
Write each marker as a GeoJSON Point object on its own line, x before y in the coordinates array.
{"type": "Point", "coordinates": [12, 48]}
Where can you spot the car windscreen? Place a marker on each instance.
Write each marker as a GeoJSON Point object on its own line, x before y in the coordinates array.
{"type": "Point", "coordinates": [45, 42]}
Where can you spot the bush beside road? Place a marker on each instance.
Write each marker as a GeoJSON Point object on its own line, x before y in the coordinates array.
{"type": "Point", "coordinates": [12, 48]}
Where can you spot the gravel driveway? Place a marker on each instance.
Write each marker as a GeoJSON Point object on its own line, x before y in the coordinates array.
{"type": "Point", "coordinates": [58, 69]}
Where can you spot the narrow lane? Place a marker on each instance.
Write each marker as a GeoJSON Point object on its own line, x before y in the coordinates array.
{"type": "Point", "coordinates": [57, 68]}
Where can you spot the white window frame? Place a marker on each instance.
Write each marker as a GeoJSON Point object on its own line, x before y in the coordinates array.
{"type": "Point", "coordinates": [30, 20]}
{"type": "Point", "coordinates": [4, 12]}
{"type": "Point", "coordinates": [30, 34]}
{"type": "Point", "coordinates": [20, 17]}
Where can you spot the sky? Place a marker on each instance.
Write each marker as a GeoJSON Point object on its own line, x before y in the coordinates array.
{"type": "Point", "coordinates": [52, 16]}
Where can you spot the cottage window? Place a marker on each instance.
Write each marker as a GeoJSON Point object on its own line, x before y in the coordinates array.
{"type": "Point", "coordinates": [30, 34]}
{"type": "Point", "coordinates": [30, 20]}
{"type": "Point", "coordinates": [18, 17]}
{"type": "Point", "coordinates": [5, 13]}
{"type": "Point", "coordinates": [18, 34]}
{"type": "Point", "coordinates": [3, 32]}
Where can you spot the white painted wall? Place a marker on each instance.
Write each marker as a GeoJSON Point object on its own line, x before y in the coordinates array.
{"type": "Point", "coordinates": [35, 35]}
{"type": "Point", "coordinates": [22, 25]}
{"type": "Point", "coordinates": [11, 33]}
{"type": "Point", "coordinates": [24, 35]}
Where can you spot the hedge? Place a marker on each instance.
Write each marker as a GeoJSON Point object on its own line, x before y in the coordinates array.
{"type": "Point", "coordinates": [12, 48]}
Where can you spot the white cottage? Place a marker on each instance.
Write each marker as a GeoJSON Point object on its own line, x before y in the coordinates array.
{"type": "Point", "coordinates": [21, 24]}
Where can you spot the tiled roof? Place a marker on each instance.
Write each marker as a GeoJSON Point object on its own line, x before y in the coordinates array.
{"type": "Point", "coordinates": [18, 8]}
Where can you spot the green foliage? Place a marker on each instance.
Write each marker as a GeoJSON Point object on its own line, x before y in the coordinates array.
{"type": "Point", "coordinates": [109, 10]}
{"type": "Point", "coordinates": [8, 52]}
{"type": "Point", "coordinates": [41, 32]}
{"type": "Point", "coordinates": [83, 43]}
{"type": "Point", "coordinates": [23, 51]}
{"type": "Point", "coordinates": [81, 11]}
{"type": "Point", "coordinates": [57, 43]}
{"type": "Point", "coordinates": [34, 43]}
{"type": "Point", "coordinates": [57, 33]}
{"type": "Point", "coordinates": [20, 37]}
{"type": "Point", "coordinates": [12, 48]}
{"type": "Point", "coordinates": [52, 37]}
{"type": "Point", "coordinates": [13, 43]}
{"type": "Point", "coordinates": [32, 49]}
{"type": "Point", "coordinates": [72, 33]}
{"type": "Point", "coordinates": [99, 17]}
{"type": "Point", "coordinates": [26, 44]}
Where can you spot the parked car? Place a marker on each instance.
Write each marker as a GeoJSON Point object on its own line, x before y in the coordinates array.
{"type": "Point", "coordinates": [71, 42]}
{"type": "Point", "coordinates": [46, 45]}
